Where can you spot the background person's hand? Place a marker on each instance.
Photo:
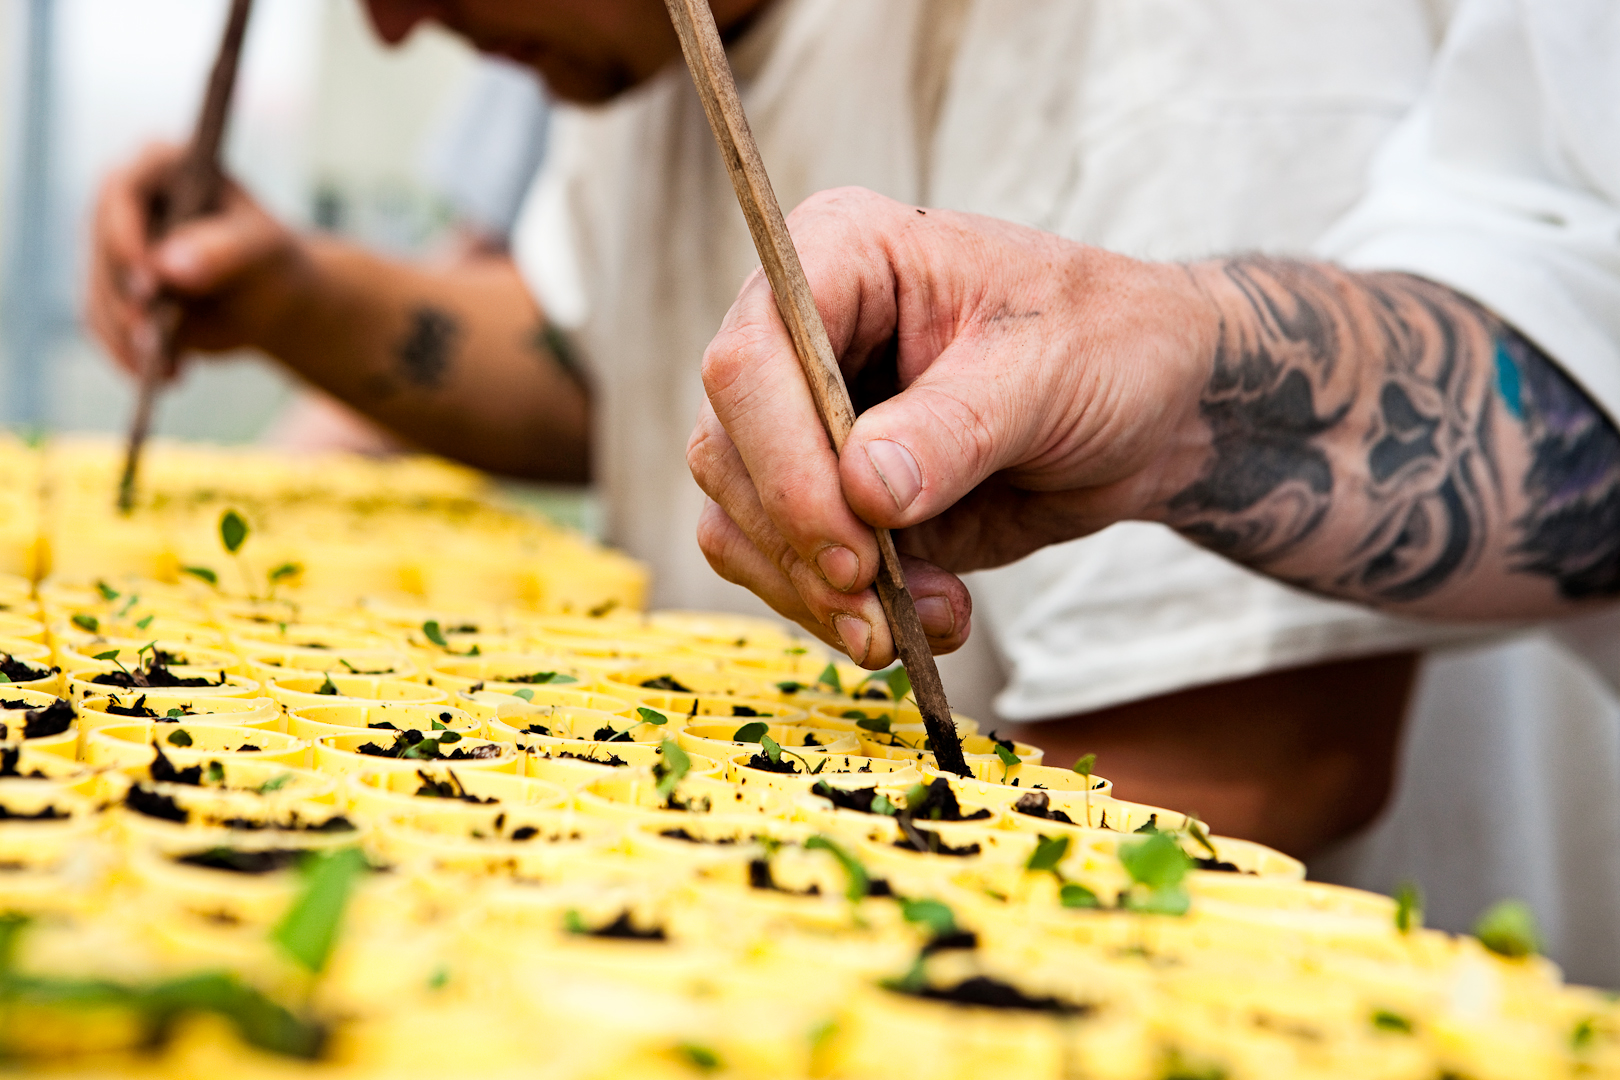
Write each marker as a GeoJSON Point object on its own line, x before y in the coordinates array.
{"type": "Point", "coordinates": [233, 270]}
{"type": "Point", "coordinates": [1045, 390]}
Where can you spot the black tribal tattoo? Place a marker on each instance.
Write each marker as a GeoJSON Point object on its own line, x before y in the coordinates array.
{"type": "Point", "coordinates": [1437, 494]}
{"type": "Point", "coordinates": [424, 354]}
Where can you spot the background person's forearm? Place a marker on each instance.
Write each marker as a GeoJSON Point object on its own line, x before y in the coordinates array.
{"type": "Point", "coordinates": [1381, 438]}
{"type": "Point", "coordinates": [454, 360]}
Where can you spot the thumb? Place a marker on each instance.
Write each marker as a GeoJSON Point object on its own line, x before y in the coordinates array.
{"type": "Point", "coordinates": [206, 255]}
{"type": "Point", "coordinates": [915, 455]}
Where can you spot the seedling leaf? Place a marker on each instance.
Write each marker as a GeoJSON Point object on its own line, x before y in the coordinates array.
{"type": "Point", "coordinates": [88, 623]}
{"type": "Point", "coordinates": [215, 773]}
{"type": "Point", "coordinates": [284, 571]}
{"type": "Point", "coordinates": [772, 749]}
{"type": "Point", "coordinates": [829, 678]}
{"type": "Point", "coordinates": [328, 687]}
{"type": "Point", "coordinates": [1384, 1020]}
{"type": "Point", "coordinates": [699, 1057]}
{"type": "Point", "coordinates": [1049, 851]}
{"type": "Point", "coordinates": [108, 593]}
{"type": "Point", "coordinates": [145, 623]}
{"type": "Point", "coordinates": [674, 766]}
{"type": "Point", "coordinates": [751, 732]}
{"type": "Point", "coordinates": [233, 531]}
{"type": "Point", "coordinates": [526, 694]}
{"type": "Point", "coordinates": [180, 738]}
{"type": "Point", "coordinates": [432, 631]}
{"type": "Point", "coordinates": [1074, 895]}
{"type": "Point", "coordinates": [1008, 758]}
{"type": "Point", "coordinates": [110, 654]}
{"type": "Point", "coordinates": [858, 881]}
{"type": "Point", "coordinates": [309, 929]}
{"type": "Point", "coordinates": [879, 724]}
{"type": "Point", "coordinates": [1508, 928]}
{"type": "Point", "coordinates": [1408, 907]}
{"type": "Point", "coordinates": [275, 783]}
{"type": "Point", "coordinates": [201, 572]}
{"type": "Point", "coordinates": [648, 716]}
{"type": "Point", "coordinates": [936, 916]}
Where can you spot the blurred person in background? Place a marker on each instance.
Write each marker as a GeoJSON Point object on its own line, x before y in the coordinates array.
{"type": "Point", "coordinates": [1161, 129]}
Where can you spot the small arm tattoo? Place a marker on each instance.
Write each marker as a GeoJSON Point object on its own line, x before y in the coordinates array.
{"type": "Point", "coordinates": [424, 354]}
{"type": "Point", "coordinates": [1434, 487]}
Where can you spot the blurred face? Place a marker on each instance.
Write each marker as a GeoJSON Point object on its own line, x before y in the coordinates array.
{"type": "Point", "coordinates": [586, 50]}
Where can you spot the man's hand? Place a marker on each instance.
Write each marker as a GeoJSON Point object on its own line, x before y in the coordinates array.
{"type": "Point", "coordinates": [1046, 389]}
{"type": "Point", "coordinates": [1376, 437]}
{"type": "Point", "coordinates": [233, 270]}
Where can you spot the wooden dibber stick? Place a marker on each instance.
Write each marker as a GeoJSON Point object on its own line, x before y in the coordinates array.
{"type": "Point", "coordinates": [193, 190]}
{"type": "Point", "coordinates": [711, 72]}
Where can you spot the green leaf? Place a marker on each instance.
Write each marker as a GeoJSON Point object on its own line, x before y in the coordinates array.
{"type": "Point", "coordinates": [1200, 835]}
{"type": "Point", "coordinates": [88, 623]}
{"type": "Point", "coordinates": [1008, 758]}
{"type": "Point", "coordinates": [1049, 851]}
{"type": "Point", "coordinates": [1074, 895]}
{"type": "Point", "coordinates": [1086, 763]}
{"type": "Point", "coordinates": [790, 687]}
{"type": "Point", "coordinates": [1172, 900]}
{"type": "Point", "coordinates": [435, 634]}
{"type": "Point", "coordinates": [215, 773]}
{"type": "Point", "coordinates": [108, 593]}
{"type": "Point", "coordinates": [937, 917]}
{"type": "Point", "coordinates": [328, 687]}
{"type": "Point", "coordinates": [146, 622]}
{"type": "Point", "coordinates": [1585, 1032]}
{"type": "Point", "coordinates": [751, 732]}
{"type": "Point", "coordinates": [649, 716]}
{"type": "Point", "coordinates": [180, 737]}
{"type": "Point", "coordinates": [233, 531]}
{"type": "Point", "coordinates": [275, 783]}
{"type": "Point", "coordinates": [1408, 907]}
{"type": "Point", "coordinates": [772, 749]}
{"type": "Point", "coordinates": [879, 724]}
{"type": "Point", "coordinates": [857, 879]}
{"type": "Point", "coordinates": [309, 930]}
{"type": "Point", "coordinates": [674, 766]}
{"type": "Point", "coordinates": [439, 979]}
{"type": "Point", "coordinates": [1384, 1020]}
{"type": "Point", "coordinates": [699, 1057]}
{"type": "Point", "coordinates": [899, 682]}
{"type": "Point", "coordinates": [881, 805]}
{"type": "Point", "coordinates": [1508, 928]}
{"type": "Point", "coordinates": [526, 694]}
{"type": "Point", "coordinates": [439, 727]}
{"type": "Point", "coordinates": [284, 571]}
{"type": "Point", "coordinates": [573, 924]}
{"type": "Point", "coordinates": [449, 738]}
{"type": "Point", "coordinates": [829, 678]}
{"type": "Point", "coordinates": [201, 572]}
{"type": "Point", "coordinates": [4, 678]}
{"type": "Point", "coordinates": [174, 713]}
{"type": "Point", "coordinates": [110, 654]}
{"type": "Point", "coordinates": [1156, 861]}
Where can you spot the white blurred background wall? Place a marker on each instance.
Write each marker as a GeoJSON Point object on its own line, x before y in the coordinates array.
{"type": "Point", "coordinates": [329, 129]}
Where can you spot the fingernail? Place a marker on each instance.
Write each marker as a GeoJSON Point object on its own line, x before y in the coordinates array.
{"type": "Point", "coordinates": [937, 615]}
{"type": "Point", "coordinates": [839, 567]}
{"type": "Point", "coordinates": [855, 634]}
{"type": "Point", "coordinates": [897, 469]}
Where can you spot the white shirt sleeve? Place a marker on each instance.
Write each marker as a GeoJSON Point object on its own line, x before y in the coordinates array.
{"type": "Point", "coordinates": [1504, 183]}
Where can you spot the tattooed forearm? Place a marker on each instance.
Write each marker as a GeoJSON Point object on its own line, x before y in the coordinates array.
{"type": "Point", "coordinates": [424, 354]}
{"type": "Point", "coordinates": [1379, 437]}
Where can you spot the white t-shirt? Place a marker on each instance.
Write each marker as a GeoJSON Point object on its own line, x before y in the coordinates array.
{"type": "Point", "coordinates": [1160, 128]}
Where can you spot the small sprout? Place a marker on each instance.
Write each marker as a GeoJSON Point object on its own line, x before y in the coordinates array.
{"type": "Point", "coordinates": [202, 573]}
{"type": "Point", "coordinates": [879, 724]}
{"type": "Point", "coordinates": [88, 623]}
{"type": "Point", "coordinates": [180, 737]}
{"type": "Point", "coordinates": [1074, 895]}
{"type": "Point", "coordinates": [447, 738]}
{"type": "Point", "coordinates": [858, 880]}
{"type": "Point", "coordinates": [1049, 851]}
{"type": "Point", "coordinates": [145, 623]}
{"type": "Point", "coordinates": [829, 678]}
{"type": "Point", "coordinates": [526, 694]}
{"type": "Point", "coordinates": [790, 687]}
{"type": "Point", "coordinates": [1508, 928]}
{"type": "Point", "coordinates": [309, 930]}
{"type": "Point", "coordinates": [432, 631]}
{"type": "Point", "coordinates": [772, 749]}
{"type": "Point", "coordinates": [110, 654]}
{"type": "Point", "coordinates": [284, 571]}
{"type": "Point", "coordinates": [699, 1057]}
{"type": "Point", "coordinates": [895, 678]}
{"type": "Point", "coordinates": [1008, 760]}
{"type": "Point", "coordinates": [797, 650]}
{"type": "Point", "coordinates": [108, 593]}
{"type": "Point", "coordinates": [750, 733]}
{"type": "Point", "coordinates": [650, 716]}
{"type": "Point", "coordinates": [439, 979]}
{"type": "Point", "coordinates": [275, 783]}
{"type": "Point", "coordinates": [1384, 1020]}
{"type": "Point", "coordinates": [233, 531]}
{"type": "Point", "coordinates": [1408, 907]}
{"type": "Point", "coordinates": [882, 805]}
{"type": "Point", "coordinates": [328, 687]}
{"type": "Point", "coordinates": [673, 766]}
{"type": "Point", "coordinates": [1200, 835]}
{"type": "Point", "coordinates": [1157, 865]}
{"type": "Point", "coordinates": [935, 916]}
{"type": "Point", "coordinates": [174, 714]}
{"type": "Point", "coordinates": [1584, 1034]}
{"type": "Point", "coordinates": [214, 773]}
{"type": "Point", "coordinates": [573, 924]}
{"type": "Point", "coordinates": [1084, 766]}
{"type": "Point", "coordinates": [439, 727]}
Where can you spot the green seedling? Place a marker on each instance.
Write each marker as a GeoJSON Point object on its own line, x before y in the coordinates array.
{"type": "Point", "coordinates": [1157, 867]}
{"type": "Point", "coordinates": [285, 572]}
{"type": "Point", "coordinates": [233, 533]}
{"type": "Point", "coordinates": [1384, 1020]}
{"type": "Point", "coordinates": [526, 694]}
{"type": "Point", "coordinates": [146, 623]}
{"type": "Point", "coordinates": [1084, 766]}
{"type": "Point", "coordinates": [1508, 928]}
{"type": "Point", "coordinates": [327, 687]}
{"type": "Point", "coordinates": [649, 717]}
{"type": "Point", "coordinates": [933, 915]}
{"type": "Point", "coordinates": [895, 678]}
{"type": "Point", "coordinates": [180, 738]}
{"type": "Point", "coordinates": [750, 733]}
{"type": "Point", "coordinates": [1075, 895]}
{"type": "Point", "coordinates": [202, 573]}
{"type": "Point", "coordinates": [1008, 760]}
{"type": "Point", "coordinates": [671, 768]}
{"type": "Point", "coordinates": [1049, 851]}
{"type": "Point", "coordinates": [829, 678]}
{"type": "Point", "coordinates": [275, 783]}
{"type": "Point", "coordinates": [699, 1057]}
{"type": "Point", "coordinates": [857, 881]}
{"type": "Point", "coordinates": [88, 623]}
{"type": "Point", "coordinates": [108, 593]}
{"type": "Point", "coordinates": [308, 932]}
{"type": "Point", "coordinates": [1408, 907]}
